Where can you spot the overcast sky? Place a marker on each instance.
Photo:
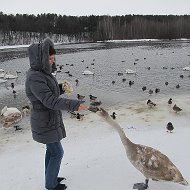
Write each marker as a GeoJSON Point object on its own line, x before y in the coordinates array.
{"type": "Point", "coordinates": [96, 7]}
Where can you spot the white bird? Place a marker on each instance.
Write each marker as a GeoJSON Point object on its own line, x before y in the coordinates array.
{"type": "Point", "coordinates": [10, 116]}
{"type": "Point", "coordinates": [7, 111]}
{"type": "Point", "coordinates": [2, 74]}
{"type": "Point", "coordinates": [186, 68]}
{"type": "Point", "coordinates": [10, 76]}
{"type": "Point", "coordinates": [130, 71]}
{"type": "Point", "coordinates": [2, 81]}
{"type": "Point", "coordinates": [87, 72]}
{"type": "Point", "coordinates": [149, 161]}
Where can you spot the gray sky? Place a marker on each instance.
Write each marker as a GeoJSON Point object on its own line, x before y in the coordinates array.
{"type": "Point", "coordinates": [96, 7]}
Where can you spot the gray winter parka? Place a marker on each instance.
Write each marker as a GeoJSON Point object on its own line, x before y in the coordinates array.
{"type": "Point", "coordinates": [43, 92]}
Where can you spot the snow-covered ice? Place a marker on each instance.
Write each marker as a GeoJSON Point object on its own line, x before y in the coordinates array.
{"type": "Point", "coordinates": [95, 158]}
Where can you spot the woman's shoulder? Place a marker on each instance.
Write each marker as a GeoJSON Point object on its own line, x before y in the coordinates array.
{"type": "Point", "coordinates": [35, 75]}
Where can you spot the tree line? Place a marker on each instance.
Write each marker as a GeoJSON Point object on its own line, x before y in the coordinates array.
{"type": "Point", "coordinates": [94, 28]}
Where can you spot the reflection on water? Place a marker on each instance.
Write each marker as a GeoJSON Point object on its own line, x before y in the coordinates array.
{"type": "Point", "coordinates": [154, 62]}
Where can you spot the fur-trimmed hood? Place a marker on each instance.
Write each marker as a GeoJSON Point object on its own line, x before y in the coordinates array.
{"type": "Point", "coordinates": [39, 56]}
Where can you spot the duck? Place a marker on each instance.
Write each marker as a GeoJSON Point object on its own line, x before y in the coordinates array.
{"type": "Point", "coordinates": [92, 98]}
{"type": "Point", "coordinates": [170, 101]}
{"type": "Point", "coordinates": [176, 108]}
{"type": "Point", "coordinates": [17, 128]}
{"type": "Point", "coordinates": [79, 116]}
{"type": "Point", "coordinates": [77, 82]}
{"type": "Point", "coordinates": [120, 74]}
{"type": "Point", "coordinates": [166, 83]}
{"type": "Point", "coordinates": [12, 85]}
{"type": "Point", "coordinates": [73, 114]}
{"type": "Point", "coordinates": [26, 110]}
{"type": "Point", "coordinates": [80, 97]}
{"type": "Point", "coordinates": [150, 103]}
{"type": "Point", "coordinates": [76, 115]}
{"type": "Point", "coordinates": [157, 90]}
{"type": "Point", "coordinates": [150, 162]}
{"type": "Point", "coordinates": [113, 115]}
{"type": "Point", "coordinates": [131, 83]}
{"type": "Point", "coordinates": [178, 86]}
{"type": "Point", "coordinates": [150, 91]}
{"type": "Point", "coordinates": [143, 88]}
{"type": "Point", "coordinates": [170, 127]}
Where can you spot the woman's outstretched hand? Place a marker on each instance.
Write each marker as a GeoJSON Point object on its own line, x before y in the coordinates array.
{"type": "Point", "coordinates": [82, 107]}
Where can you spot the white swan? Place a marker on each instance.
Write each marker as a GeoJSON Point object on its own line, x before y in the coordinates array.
{"type": "Point", "coordinates": [2, 74]}
{"type": "Point", "coordinates": [5, 75]}
{"type": "Point", "coordinates": [7, 111]}
{"type": "Point", "coordinates": [87, 72]}
{"type": "Point", "coordinates": [130, 71]}
{"type": "Point", "coordinates": [149, 161]}
{"type": "Point", "coordinates": [10, 116]}
{"type": "Point", "coordinates": [10, 76]}
{"type": "Point", "coordinates": [2, 81]}
{"type": "Point", "coordinates": [186, 68]}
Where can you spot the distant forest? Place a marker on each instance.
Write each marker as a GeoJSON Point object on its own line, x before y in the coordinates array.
{"type": "Point", "coordinates": [24, 28]}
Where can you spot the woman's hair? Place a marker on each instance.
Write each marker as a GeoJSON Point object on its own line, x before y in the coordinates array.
{"type": "Point", "coordinates": [52, 51]}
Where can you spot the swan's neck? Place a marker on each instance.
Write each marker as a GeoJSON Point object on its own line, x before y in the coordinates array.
{"type": "Point", "coordinates": [126, 142]}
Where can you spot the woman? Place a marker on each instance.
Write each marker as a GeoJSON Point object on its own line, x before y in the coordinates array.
{"type": "Point", "coordinates": [47, 125]}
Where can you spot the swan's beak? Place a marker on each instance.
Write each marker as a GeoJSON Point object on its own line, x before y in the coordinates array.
{"type": "Point", "coordinates": [93, 109]}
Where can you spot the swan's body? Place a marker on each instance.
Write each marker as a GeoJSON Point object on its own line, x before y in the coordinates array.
{"type": "Point", "coordinates": [7, 111]}
{"type": "Point", "coordinates": [2, 74]}
{"type": "Point", "coordinates": [10, 76]}
{"type": "Point", "coordinates": [87, 72]}
{"type": "Point", "coordinates": [2, 81]}
{"type": "Point", "coordinates": [149, 161]}
{"type": "Point", "coordinates": [5, 75]}
{"type": "Point", "coordinates": [10, 116]}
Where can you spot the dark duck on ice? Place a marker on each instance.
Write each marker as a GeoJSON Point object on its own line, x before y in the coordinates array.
{"type": "Point", "coordinates": [170, 127]}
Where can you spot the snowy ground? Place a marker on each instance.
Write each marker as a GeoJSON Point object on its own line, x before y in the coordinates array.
{"type": "Point", "coordinates": [94, 157]}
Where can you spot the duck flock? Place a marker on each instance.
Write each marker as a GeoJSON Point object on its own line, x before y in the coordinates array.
{"type": "Point", "coordinates": [90, 69]}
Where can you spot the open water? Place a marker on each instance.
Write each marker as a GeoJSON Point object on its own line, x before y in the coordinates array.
{"type": "Point", "coordinates": [164, 58]}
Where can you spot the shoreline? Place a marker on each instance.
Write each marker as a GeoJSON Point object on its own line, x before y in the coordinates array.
{"type": "Point", "coordinates": [137, 115]}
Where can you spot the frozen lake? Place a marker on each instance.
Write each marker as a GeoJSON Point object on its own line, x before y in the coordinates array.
{"type": "Point", "coordinates": [165, 61]}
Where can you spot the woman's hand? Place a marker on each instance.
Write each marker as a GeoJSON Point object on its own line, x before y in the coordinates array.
{"type": "Point", "coordinates": [82, 107]}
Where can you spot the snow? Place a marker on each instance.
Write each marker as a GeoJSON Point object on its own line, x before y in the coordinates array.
{"type": "Point", "coordinates": [14, 46]}
{"type": "Point", "coordinates": [95, 158]}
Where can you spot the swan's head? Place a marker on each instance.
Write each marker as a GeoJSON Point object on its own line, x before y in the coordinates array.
{"type": "Point", "coordinates": [3, 110]}
{"type": "Point", "coordinates": [103, 113]}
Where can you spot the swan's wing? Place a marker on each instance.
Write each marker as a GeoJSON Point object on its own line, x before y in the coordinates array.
{"type": "Point", "coordinates": [152, 159]}
{"type": "Point", "coordinates": [153, 164]}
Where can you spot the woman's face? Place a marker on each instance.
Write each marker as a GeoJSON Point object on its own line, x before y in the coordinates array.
{"type": "Point", "coordinates": [51, 59]}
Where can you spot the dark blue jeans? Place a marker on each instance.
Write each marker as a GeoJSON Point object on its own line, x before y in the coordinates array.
{"type": "Point", "coordinates": [54, 155]}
